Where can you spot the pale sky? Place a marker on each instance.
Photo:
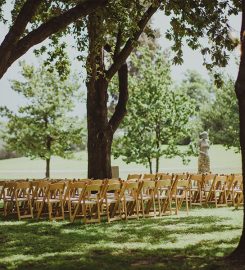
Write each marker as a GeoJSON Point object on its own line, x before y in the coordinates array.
{"type": "Point", "coordinates": [192, 60]}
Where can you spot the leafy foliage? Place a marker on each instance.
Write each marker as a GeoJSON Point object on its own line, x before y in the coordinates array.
{"type": "Point", "coordinates": [221, 117]}
{"type": "Point", "coordinates": [158, 117]}
{"type": "Point", "coordinates": [43, 127]}
{"type": "Point", "coordinates": [197, 88]}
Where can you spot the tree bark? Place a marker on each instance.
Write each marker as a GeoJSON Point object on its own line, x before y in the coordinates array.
{"type": "Point", "coordinates": [48, 148]}
{"type": "Point", "coordinates": [150, 164]}
{"type": "Point", "coordinates": [239, 252]}
{"type": "Point", "coordinates": [157, 165]}
{"type": "Point", "coordinates": [99, 135]}
{"type": "Point", "coordinates": [47, 173]}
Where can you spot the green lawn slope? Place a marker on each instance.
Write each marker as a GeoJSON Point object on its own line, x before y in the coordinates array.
{"type": "Point", "coordinates": [222, 161]}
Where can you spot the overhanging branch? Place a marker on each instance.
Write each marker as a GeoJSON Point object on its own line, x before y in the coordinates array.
{"type": "Point", "coordinates": [50, 27]}
{"type": "Point", "coordinates": [120, 110]}
{"type": "Point", "coordinates": [129, 46]}
{"type": "Point", "coordinates": [17, 29]}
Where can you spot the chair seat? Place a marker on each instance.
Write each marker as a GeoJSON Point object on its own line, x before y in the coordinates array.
{"type": "Point", "coordinates": [21, 199]}
{"type": "Point", "coordinates": [146, 197]}
{"type": "Point", "coordinates": [194, 189]}
{"type": "Point", "coordinates": [129, 198]}
{"type": "Point", "coordinates": [161, 196]}
{"type": "Point", "coordinates": [90, 201]}
{"type": "Point", "coordinates": [52, 200]}
{"type": "Point", "coordinates": [179, 196]}
{"type": "Point", "coordinates": [73, 199]}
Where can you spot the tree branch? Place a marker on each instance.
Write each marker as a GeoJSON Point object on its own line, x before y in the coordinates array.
{"type": "Point", "coordinates": [50, 27]}
{"type": "Point", "coordinates": [129, 46]}
{"type": "Point", "coordinates": [16, 31]}
{"type": "Point", "coordinates": [118, 44]}
{"type": "Point", "coordinates": [120, 110]}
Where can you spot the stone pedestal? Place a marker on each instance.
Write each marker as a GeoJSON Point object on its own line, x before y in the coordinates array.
{"type": "Point", "coordinates": [115, 171]}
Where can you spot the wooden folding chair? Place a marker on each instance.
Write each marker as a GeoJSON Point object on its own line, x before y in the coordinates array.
{"type": "Point", "coordinates": [112, 199]}
{"type": "Point", "coordinates": [2, 184]}
{"type": "Point", "coordinates": [229, 188]}
{"type": "Point", "coordinates": [54, 201]}
{"type": "Point", "coordinates": [180, 190]}
{"type": "Point", "coordinates": [91, 202]}
{"type": "Point", "coordinates": [39, 196]}
{"type": "Point", "coordinates": [75, 199]}
{"type": "Point", "coordinates": [131, 199]}
{"type": "Point", "coordinates": [147, 197]}
{"type": "Point", "coordinates": [196, 184]}
{"type": "Point", "coordinates": [8, 197]}
{"type": "Point", "coordinates": [163, 195]}
{"type": "Point", "coordinates": [22, 200]}
{"type": "Point", "coordinates": [208, 180]}
{"type": "Point", "coordinates": [237, 190]}
{"type": "Point", "coordinates": [217, 193]}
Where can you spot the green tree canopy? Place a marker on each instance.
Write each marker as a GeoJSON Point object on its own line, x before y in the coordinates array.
{"type": "Point", "coordinates": [197, 88]}
{"type": "Point", "coordinates": [221, 116]}
{"type": "Point", "coordinates": [43, 127]}
{"type": "Point", "coordinates": [158, 117]}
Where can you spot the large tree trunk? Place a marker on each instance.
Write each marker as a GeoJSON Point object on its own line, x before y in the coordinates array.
{"type": "Point", "coordinates": [100, 128]}
{"type": "Point", "coordinates": [99, 134]}
{"type": "Point", "coordinates": [239, 252]}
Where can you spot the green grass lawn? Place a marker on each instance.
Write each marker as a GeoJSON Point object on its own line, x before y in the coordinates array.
{"type": "Point", "coordinates": [197, 241]}
{"type": "Point", "coordinates": [222, 161]}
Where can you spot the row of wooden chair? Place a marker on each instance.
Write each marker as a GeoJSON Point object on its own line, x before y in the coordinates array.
{"type": "Point", "coordinates": [89, 199]}
{"type": "Point", "coordinates": [145, 195]}
{"type": "Point", "coordinates": [205, 188]}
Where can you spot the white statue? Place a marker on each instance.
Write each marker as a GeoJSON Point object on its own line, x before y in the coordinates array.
{"type": "Point", "coordinates": [203, 159]}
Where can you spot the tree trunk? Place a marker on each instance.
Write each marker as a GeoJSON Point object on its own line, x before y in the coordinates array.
{"type": "Point", "coordinates": [48, 148]}
{"type": "Point", "coordinates": [157, 165]}
{"type": "Point", "coordinates": [99, 134]}
{"type": "Point", "coordinates": [150, 164]}
{"type": "Point", "coordinates": [100, 128]}
{"type": "Point", "coordinates": [47, 174]}
{"type": "Point", "coordinates": [239, 252]}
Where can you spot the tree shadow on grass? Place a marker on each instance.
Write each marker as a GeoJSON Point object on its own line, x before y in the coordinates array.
{"type": "Point", "coordinates": [136, 244]}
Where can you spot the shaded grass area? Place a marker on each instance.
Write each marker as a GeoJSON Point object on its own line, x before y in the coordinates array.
{"type": "Point", "coordinates": [197, 241]}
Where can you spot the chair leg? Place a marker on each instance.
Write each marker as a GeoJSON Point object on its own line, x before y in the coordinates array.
{"type": "Point", "coordinates": [170, 204]}
{"type": "Point", "coordinates": [40, 210]}
{"type": "Point", "coordinates": [31, 208]}
{"type": "Point", "coordinates": [107, 212]}
{"type": "Point", "coordinates": [62, 210]}
{"type": "Point", "coordinates": [176, 206]}
{"type": "Point", "coordinates": [18, 209]}
{"type": "Point", "coordinates": [50, 211]}
{"type": "Point", "coordinates": [215, 197]}
{"type": "Point", "coordinates": [137, 208]}
{"type": "Point", "coordinates": [126, 210]}
{"type": "Point", "coordinates": [143, 210]}
{"type": "Point", "coordinates": [159, 207]}
{"type": "Point", "coordinates": [84, 213]}
{"type": "Point", "coordinates": [98, 210]}
{"type": "Point", "coordinates": [187, 207]}
{"type": "Point", "coordinates": [154, 206]}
